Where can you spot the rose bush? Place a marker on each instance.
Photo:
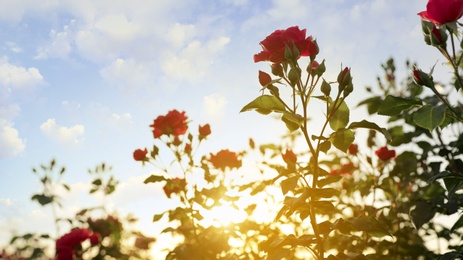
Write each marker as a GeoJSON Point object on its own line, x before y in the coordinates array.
{"type": "Point", "coordinates": [337, 196]}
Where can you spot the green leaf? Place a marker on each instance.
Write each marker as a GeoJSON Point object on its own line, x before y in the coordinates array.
{"type": "Point", "coordinates": [293, 122]}
{"type": "Point", "coordinates": [393, 106]}
{"type": "Point", "coordinates": [328, 180]}
{"type": "Point", "coordinates": [340, 118]}
{"type": "Point", "coordinates": [370, 125]}
{"type": "Point", "coordinates": [154, 178]}
{"type": "Point", "coordinates": [43, 199]}
{"type": "Point", "coordinates": [458, 224]}
{"type": "Point", "coordinates": [324, 207]}
{"type": "Point", "coordinates": [157, 217]}
{"type": "Point", "coordinates": [430, 117]}
{"type": "Point", "coordinates": [341, 139]}
{"type": "Point", "coordinates": [265, 103]}
{"type": "Point", "coordinates": [445, 174]}
{"type": "Point", "coordinates": [372, 104]}
{"type": "Point", "coordinates": [323, 192]}
{"type": "Point", "coordinates": [289, 184]}
{"type": "Point", "coordinates": [422, 213]}
{"type": "Point", "coordinates": [370, 225]}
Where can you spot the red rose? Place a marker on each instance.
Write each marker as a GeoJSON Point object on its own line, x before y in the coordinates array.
{"type": "Point", "coordinates": [353, 149]}
{"type": "Point", "coordinates": [69, 244]}
{"type": "Point", "coordinates": [175, 185]}
{"type": "Point", "coordinates": [224, 159]}
{"type": "Point", "coordinates": [204, 131]}
{"type": "Point", "coordinates": [273, 47]}
{"type": "Point", "coordinates": [174, 123]}
{"type": "Point", "coordinates": [442, 11]}
{"type": "Point", "coordinates": [384, 153]}
{"type": "Point", "coordinates": [140, 155]}
{"type": "Point", "coordinates": [95, 238]}
{"type": "Point", "coordinates": [289, 157]}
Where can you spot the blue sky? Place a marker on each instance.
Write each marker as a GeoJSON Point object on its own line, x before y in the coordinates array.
{"type": "Point", "coordinates": [80, 81]}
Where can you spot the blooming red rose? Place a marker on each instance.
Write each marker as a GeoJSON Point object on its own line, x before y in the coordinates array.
{"type": "Point", "coordinates": [442, 11]}
{"type": "Point", "coordinates": [384, 153]}
{"type": "Point", "coordinates": [140, 155]}
{"type": "Point", "coordinates": [204, 131]}
{"type": "Point", "coordinates": [273, 47]}
{"type": "Point", "coordinates": [174, 123]}
{"type": "Point", "coordinates": [224, 159]}
{"type": "Point", "coordinates": [174, 185]}
{"type": "Point", "coordinates": [69, 244]}
{"type": "Point", "coordinates": [353, 149]}
{"type": "Point", "coordinates": [289, 157]}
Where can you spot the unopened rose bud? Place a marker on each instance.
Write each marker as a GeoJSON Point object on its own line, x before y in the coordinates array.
{"type": "Point", "coordinates": [421, 78]}
{"type": "Point", "coordinates": [325, 88]}
{"type": "Point", "coordinates": [438, 37]}
{"type": "Point", "coordinates": [344, 78]}
{"type": "Point", "coordinates": [348, 89]}
{"type": "Point", "coordinates": [426, 27]}
{"type": "Point", "coordinates": [312, 68]}
{"type": "Point", "coordinates": [277, 69]}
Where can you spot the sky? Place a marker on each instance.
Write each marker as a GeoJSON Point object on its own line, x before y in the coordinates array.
{"type": "Point", "coordinates": [81, 80]}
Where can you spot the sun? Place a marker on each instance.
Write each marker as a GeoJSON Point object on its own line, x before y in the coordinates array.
{"type": "Point", "coordinates": [223, 215]}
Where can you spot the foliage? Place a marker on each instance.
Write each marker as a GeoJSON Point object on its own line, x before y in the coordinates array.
{"type": "Point", "coordinates": [331, 190]}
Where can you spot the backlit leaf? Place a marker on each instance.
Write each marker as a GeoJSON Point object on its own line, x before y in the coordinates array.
{"type": "Point", "coordinates": [265, 103]}
{"type": "Point", "coordinates": [393, 106]}
{"type": "Point", "coordinates": [430, 117]}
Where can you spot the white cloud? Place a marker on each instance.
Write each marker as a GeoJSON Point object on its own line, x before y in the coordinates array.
{"type": "Point", "coordinates": [12, 145]}
{"type": "Point", "coordinates": [68, 136]}
{"type": "Point", "coordinates": [59, 46]}
{"type": "Point", "coordinates": [127, 73]}
{"type": "Point", "coordinates": [13, 47]}
{"type": "Point", "coordinates": [214, 105]}
{"type": "Point", "coordinates": [193, 62]}
{"type": "Point", "coordinates": [6, 202]}
{"type": "Point", "coordinates": [17, 77]}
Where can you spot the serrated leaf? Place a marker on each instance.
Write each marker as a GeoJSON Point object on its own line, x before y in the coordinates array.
{"type": "Point", "coordinates": [430, 117]}
{"type": "Point", "coordinates": [370, 225]}
{"type": "Point", "coordinates": [265, 103]}
{"type": "Point", "coordinates": [341, 139]}
{"type": "Point", "coordinates": [370, 125]}
{"type": "Point", "coordinates": [393, 106]}
{"type": "Point", "coordinates": [340, 118]}
{"type": "Point", "coordinates": [289, 184]}
{"type": "Point", "coordinates": [154, 178]}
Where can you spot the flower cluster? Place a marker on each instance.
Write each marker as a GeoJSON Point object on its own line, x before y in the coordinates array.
{"type": "Point", "coordinates": [69, 245]}
{"type": "Point", "coordinates": [225, 158]}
